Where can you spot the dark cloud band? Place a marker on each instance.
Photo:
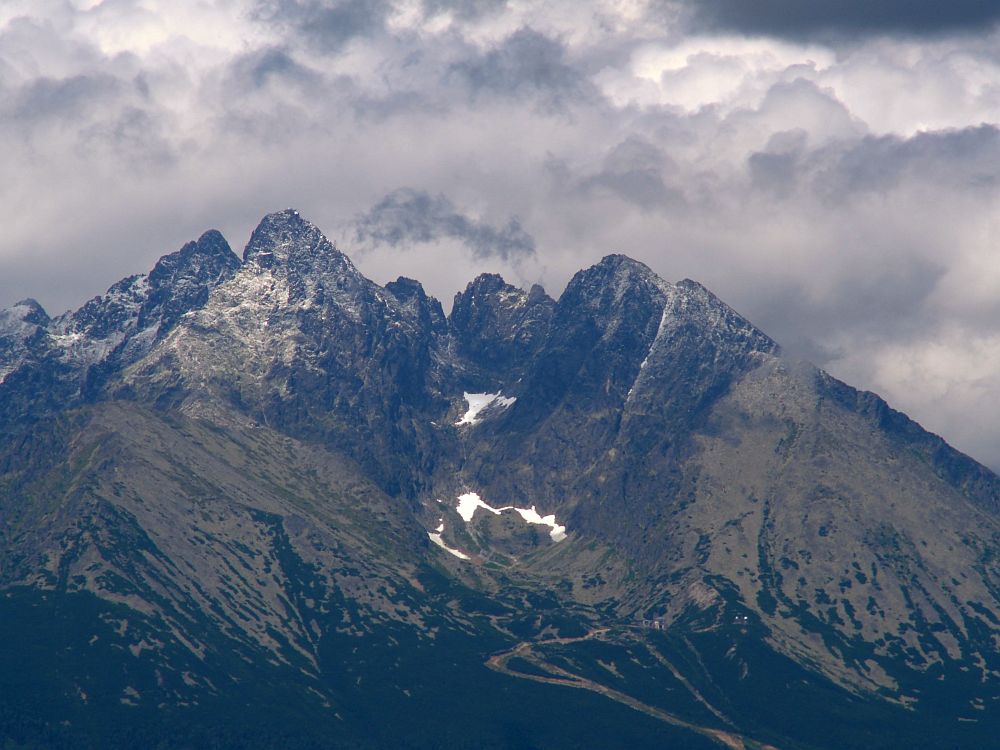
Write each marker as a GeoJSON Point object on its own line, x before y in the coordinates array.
{"type": "Point", "coordinates": [327, 24]}
{"type": "Point", "coordinates": [526, 65]}
{"type": "Point", "coordinates": [408, 216]}
{"type": "Point", "coordinates": [811, 18]}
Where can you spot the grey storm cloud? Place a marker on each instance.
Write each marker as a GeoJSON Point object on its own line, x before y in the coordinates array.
{"type": "Point", "coordinates": [261, 67]}
{"type": "Point", "coordinates": [808, 18]}
{"type": "Point", "coordinates": [968, 158]}
{"type": "Point", "coordinates": [102, 114]}
{"type": "Point", "coordinates": [410, 216]}
{"type": "Point", "coordinates": [59, 98]}
{"type": "Point", "coordinates": [964, 160]}
{"type": "Point", "coordinates": [634, 170]}
{"type": "Point", "coordinates": [527, 64]}
{"type": "Point", "coordinates": [327, 24]}
{"type": "Point", "coordinates": [135, 136]}
{"type": "Point", "coordinates": [466, 9]}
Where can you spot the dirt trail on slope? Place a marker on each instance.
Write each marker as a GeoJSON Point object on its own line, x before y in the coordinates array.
{"type": "Point", "coordinates": [560, 676]}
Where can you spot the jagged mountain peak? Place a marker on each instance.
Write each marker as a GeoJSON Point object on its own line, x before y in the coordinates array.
{"type": "Point", "coordinates": [500, 327]}
{"type": "Point", "coordinates": [275, 440]}
{"type": "Point", "coordinates": [623, 269]}
{"type": "Point", "coordinates": [487, 282]}
{"type": "Point", "coordinates": [619, 261]}
{"type": "Point", "coordinates": [28, 310]}
{"type": "Point", "coordinates": [312, 271]}
{"type": "Point", "coordinates": [418, 304]}
{"type": "Point", "coordinates": [73, 356]}
{"type": "Point", "coordinates": [181, 281]}
{"type": "Point", "coordinates": [406, 289]}
{"type": "Point", "coordinates": [488, 288]}
{"type": "Point", "coordinates": [538, 294]}
{"type": "Point", "coordinates": [20, 324]}
{"type": "Point", "coordinates": [623, 339]}
{"type": "Point", "coordinates": [303, 341]}
{"type": "Point", "coordinates": [493, 285]}
{"type": "Point", "coordinates": [618, 290]}
{"type": "Point", "coordinates": [209, 254]}
{"type": "Point", "coordinates": [106, 315]}
{"type": "Point", "coordinates": [210, 244]}
{"type": "Point", "coordinates": [284, 235]}
{"type": "Point", "coordinates": [615, 286]}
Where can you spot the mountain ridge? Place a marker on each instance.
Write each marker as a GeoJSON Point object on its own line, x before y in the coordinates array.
{"type": "Point", "coordinates": [267, 458]}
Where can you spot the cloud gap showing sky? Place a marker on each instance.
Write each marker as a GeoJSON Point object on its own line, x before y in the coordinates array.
{"type": "Point", "coordinates": [835, 177]}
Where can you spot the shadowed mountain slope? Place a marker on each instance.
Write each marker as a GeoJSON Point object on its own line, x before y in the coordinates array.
{"type": "Point", "coordinates": [290, 507]}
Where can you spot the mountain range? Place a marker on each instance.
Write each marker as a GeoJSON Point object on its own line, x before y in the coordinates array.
{"type": "Point", "coordinates": [262, 501]}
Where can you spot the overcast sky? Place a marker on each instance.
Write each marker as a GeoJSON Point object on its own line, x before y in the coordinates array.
{"type": "Point", "coordinates": [833, 175]}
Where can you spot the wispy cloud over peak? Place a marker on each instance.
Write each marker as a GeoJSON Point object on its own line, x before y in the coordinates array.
{"type": "Point", "coordinates": [407, 216]}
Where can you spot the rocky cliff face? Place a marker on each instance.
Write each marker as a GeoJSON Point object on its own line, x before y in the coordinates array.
{"type": "Point", "coordinates": [231, 472]}
{"type": "Point", "coordinates": [498, 328]}
{"type": "Point", "coordinates": [20, 325]}
{"type": "Point", "coordinates": [300, 341]}
{"type": "Point", "coordinates": [51, 364]}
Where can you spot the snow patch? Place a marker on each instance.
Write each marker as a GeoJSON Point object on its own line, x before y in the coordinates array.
{"type": "Point", "coordinates": [479, 401]}
{"type": "Point", "coordinates": [468, 503]}
{"type": "Point", "coordinates": [558, 533]}
{"type": "Point", "coordinates": [436, 538]}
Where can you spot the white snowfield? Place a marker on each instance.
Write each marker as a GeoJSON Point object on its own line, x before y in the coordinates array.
{"type": "Point", "coordinates": [468, 503]}
{"type": "Point", "coordinates": [479, 401]}
{"type": "Point", "coordinates": [436, 538]}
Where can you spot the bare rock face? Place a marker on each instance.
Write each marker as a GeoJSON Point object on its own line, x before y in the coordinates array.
{"type": "Point", "coordinates": [180, 282]}
{"type": "Point", "coordinates": [499, 328]}
{"type": "Point", "coordinates": [20, 326]}
{"type": "Point", "coordinates": [299, 340]}
{"type": "Point", "coordinates": [69, 359]}
{"type": "Point", "coordinates": [269, 481]}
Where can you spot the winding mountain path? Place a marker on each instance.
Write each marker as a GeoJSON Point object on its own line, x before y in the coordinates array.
{"type": "Point", "coordinates": [559, 676]}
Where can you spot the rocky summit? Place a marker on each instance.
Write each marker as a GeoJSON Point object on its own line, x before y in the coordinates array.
{"type": "Point", "coordinates": [264, 502]}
